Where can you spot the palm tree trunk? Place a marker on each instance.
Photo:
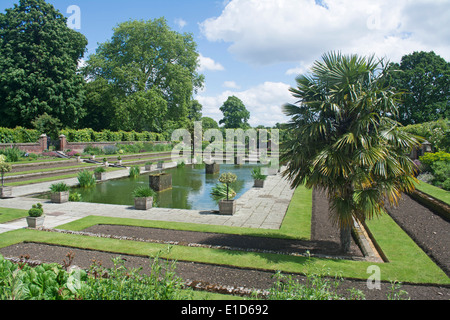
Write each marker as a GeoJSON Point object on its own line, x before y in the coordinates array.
{"type": "Point", "coordinates": [346, 236]}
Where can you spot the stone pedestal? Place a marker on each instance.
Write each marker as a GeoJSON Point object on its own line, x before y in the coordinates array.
{"type": "Point", "coordinates": [212, 168]}
{"type": "Point", "coordinates": [160, 182]}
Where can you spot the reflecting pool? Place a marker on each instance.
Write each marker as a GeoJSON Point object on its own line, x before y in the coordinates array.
{"type": "Point", "coordinates": [191, 188]}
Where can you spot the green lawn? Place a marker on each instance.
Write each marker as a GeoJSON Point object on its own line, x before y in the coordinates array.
{"type": "Point", "coordinates": [435, 192]}
{"type": "Point", "coordinates": [407, 262]}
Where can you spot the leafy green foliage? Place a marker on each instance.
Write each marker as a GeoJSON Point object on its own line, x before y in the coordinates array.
{"type": "Point", "coordinates": [435, 132]}
{"type": "Point", "coordinates": [219, 191]}
{"type": "Point", "coordinates": [134, 171]}
{"type": "Point", "coordinates": [425, 79]}
{"type": "Point", "coordinates": [38, 65]}
{"type": "Point", "coordinates": [59, 187]}
{"type": "Point", "coordinates": [147, 69]}
{"type": "Point", "coordinates": [257, 175]}
{"type": "Point", "coordinates": [235, 115]}
{"type": "Point", "coordinates": [36, 210]}
{"type": "Point", "coordinates": [86, 179]}
{"type": "Point", "coordinates": [144, 192]}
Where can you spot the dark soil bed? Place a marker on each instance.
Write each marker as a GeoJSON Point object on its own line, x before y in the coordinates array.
{"type": "Point", "coordinates": [325, 240]}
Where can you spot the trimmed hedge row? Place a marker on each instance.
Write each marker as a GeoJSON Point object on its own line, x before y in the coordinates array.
{"type": "Point", "coordinates": [89, 135]}
{"type": "Point", "coordinates": [22, 135]}
{"type": "Point", "coordinates": [18, 135]}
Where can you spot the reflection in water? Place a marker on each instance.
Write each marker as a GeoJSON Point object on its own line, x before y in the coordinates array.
{"type": "Point", "coordinates": [191, 188]}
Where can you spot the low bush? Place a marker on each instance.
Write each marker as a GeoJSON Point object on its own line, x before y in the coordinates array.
{"type": "Point", "coordinates": [59, 187]}
{"type": "Point", "coordinates": [144, 192]}
{"type": "Point", "coordinates": [86, 179]}
{"type": "Point", "coordinates": [36, 210]}
{"type": "Point", "coordinates": [135, 171]}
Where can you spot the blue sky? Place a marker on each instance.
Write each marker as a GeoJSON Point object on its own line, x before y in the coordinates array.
{"type": "Point", "coordinates": [254, 49]}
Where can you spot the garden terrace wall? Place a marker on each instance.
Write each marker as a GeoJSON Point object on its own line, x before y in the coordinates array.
{"type": "Point", "coordinates": [37, 147]}
{"type": "Point", "coordinates": [80, 146]}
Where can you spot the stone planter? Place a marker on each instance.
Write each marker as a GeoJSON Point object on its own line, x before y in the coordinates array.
{"type": "Point", "coordinates": [60, 197]}
{"type": "Point", "coordinates": [160, 165]}
{"type": "Point", "coordinates": [106, 164]}
{"type": "Point", "coordinates": [143, 203]}
{"type": "Point", "coordinates": [160, 182]}
{"type": "Point", "coordinates": [35, 222]}
{"type": "Point", "coordinates": [212, 168]}
{"type": "Point", "coordinates": [227, 207]}
{"type": "Point", "coordinates": [5, 192]}
{"type": "Point", "coordinates": [79, 159]}
{"type": "Point", "coordinates": [258, 183]}
{"type": "Point", "coordinates": [148, 167]}
{"type": "Point", "coordinates": [100, 175]}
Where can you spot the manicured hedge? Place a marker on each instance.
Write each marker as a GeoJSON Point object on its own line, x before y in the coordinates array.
{"type": "Point", "coordinates": [89, 135]}
{"type": "Point", "coordinates": [18, 135]}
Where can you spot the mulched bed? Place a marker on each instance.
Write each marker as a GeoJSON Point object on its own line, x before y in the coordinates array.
{"type": "Point", "coordinates": [325, 241]}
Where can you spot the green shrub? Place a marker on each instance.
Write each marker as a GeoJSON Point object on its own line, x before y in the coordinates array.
{"type": "Point", "coordinates": [435, 132]}
{"type": "Point", "coordinates": [257, 175]}
{"type": "Point", "coordinates": [12, 154]}
{"type": "Point", "coordinates": [36, 210]}
{"type": "Point", "coordinates": [59, 187]}
{"type": "Point", "coordinates": [219, 192]}
{"type": "Point", "coordinates": [144, 192]}
{"type": "Point", "coordinates": [86, 179]}
{"type": "Point", "coordinates": [135, 171]}
{"type": "Point", "coordinates": [99, 170]}
{"type": "Point", "coordinates": [441, 172]}
{"type": "Point", "coordinates": [75, 197]}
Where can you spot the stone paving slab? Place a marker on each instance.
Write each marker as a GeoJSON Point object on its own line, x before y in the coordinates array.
{"type": "Point", "coordinates": [258, 208]}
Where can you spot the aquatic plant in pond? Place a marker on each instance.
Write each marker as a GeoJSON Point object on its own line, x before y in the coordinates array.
{"type": "Point", "coordinates": [86, 179]}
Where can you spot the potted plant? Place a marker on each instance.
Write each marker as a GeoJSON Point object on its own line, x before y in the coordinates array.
{"type": "Point", "coordinates": [119, 160]}
{"type": "Point", "coordinates": [78, 156]}
{"type": "Point", "coordinates": [60, 192]}
{"type": "Point", "coordinates": [36, 216]}
{"type": "Point", "coordinates": [105, 162]}
{"type": "Point", "coordinates": [258, 178]}
{"type": "Point", "coordinates": [143, 198]}
{"type": "Point", "coordinates": [148, 166]}
{"type": "Point", "coordinates": [227, 207]}
{"type": "Point", "coordinates": [5, 192]}
{"type": "Point", "coordinates": [100, 173]}
{"type": "Point", "coordinates": [160, 164]}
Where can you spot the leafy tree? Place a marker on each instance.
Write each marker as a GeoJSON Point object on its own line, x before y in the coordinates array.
{"type": "Point", "coordinates": [147, 56]}
{"type": "Point", "coordinates": [342, 141]}
{"type": "Point", "coordinates": [195, 111]}
{"type": "Point", "coordinates": [235, 115]}
{"type": "Point", "coordinates": [209, 123]}
{"type": "Point", "coordinates": [48, 125]}
{"type": "Point", "coordinates": [425, 78]}
{"type": "Point", "coordinates": [39, 58]}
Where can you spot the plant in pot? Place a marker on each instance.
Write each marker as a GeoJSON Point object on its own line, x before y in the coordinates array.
{"type": "Point", "coordinates": [36, 216]}
{"type": "Point", "coordinates": [59, 192]}
{"type": "Point", "coordinates": [160, 164]}
{"type": "Point", "coordinates": [119, 160]}
{"type": "Point", "coordinates": [100, 173]}
{"type": "Point", "coordinates": [78, 156]}
{"type": "Point", "coordinates": [258, 178]}
{"type": "Point", "coordinates": [227, 207]}
{"type": "Point", "coordinates": [143, 198]}
{"type": "Point", "coordinates": [105, 162]}
{"type": "Point", "coordinates": [5, 192]}
{"type": "Point", "coordinates": [148, 166]}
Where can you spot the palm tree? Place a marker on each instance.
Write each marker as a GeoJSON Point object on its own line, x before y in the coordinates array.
{"type": "Point", "coordinates": [343, 139]}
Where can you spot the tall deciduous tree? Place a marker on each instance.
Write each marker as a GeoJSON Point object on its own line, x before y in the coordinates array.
{"type": "Point", "coordinates": [235, 115]}
{"type": "Point", "coordinates": [148, 57]}
{"type": "Point", "coordinates": [342, 140]}
{"type": "Point", "coordinates": [425, 79]}
{"type": "Point", "coordinates": [39, 58]}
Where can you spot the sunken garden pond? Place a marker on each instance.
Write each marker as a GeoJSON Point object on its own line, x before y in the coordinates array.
{"type": "Point", "coordinates": [191, 187]}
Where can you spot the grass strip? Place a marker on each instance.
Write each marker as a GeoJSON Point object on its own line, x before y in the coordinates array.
{"type": "Point", "coordinates": [433, 191]}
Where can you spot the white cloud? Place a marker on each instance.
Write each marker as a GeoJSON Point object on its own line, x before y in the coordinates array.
{"type": "Point", "coordinates": [263, 32]}
{"type": "Point", "coordinates": [231, 85]}
{"type": "Point", "coordinates": [209, 64]}
{"type": "Point", "coordinates": [264, 102]}
{"type": "Point", "coordinates": [180, 23]}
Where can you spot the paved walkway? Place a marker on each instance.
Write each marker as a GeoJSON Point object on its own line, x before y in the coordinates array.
{"type": "Point", "coordinates": [258, 208]}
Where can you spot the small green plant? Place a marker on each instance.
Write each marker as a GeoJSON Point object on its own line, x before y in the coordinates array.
{"type": "Point", "coordinates": [99, 170]}
{"type": "Point", "coordinates": [75, 197]}
{"type": "Point", "coordinates": [219, 191]}
{"type": "Point", "coordinates": [144, 192]}
{"type": "Point", "coordinates": [105, 160]}
{"type": "Point", "coordinates": [257, 175]}
{"type": "Point", "coordinates": [86, 179]}
{"type": "Point", "coordinates": [227, 178]}
{"type": "Point", "coordinates": [135, 171]}
{"type": "Point", "coordinates": [36, 210]}
{"type": "Point", "coordinates": [59, 187]}
{"type": "Point", "coordinates": [395, 292]}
